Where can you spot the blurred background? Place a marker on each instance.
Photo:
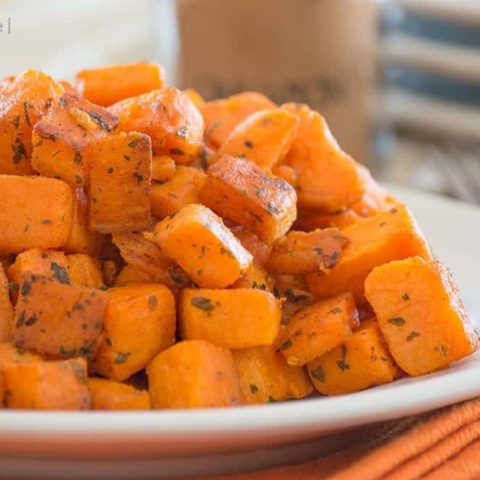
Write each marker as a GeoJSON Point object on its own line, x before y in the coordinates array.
{"type": "Point", "coordinates": [399, 81]}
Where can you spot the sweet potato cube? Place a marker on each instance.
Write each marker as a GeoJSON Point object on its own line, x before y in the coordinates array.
{"type": "Point", "coordinates": [61, 137]}
{"type": "Point", "coordinates": [85, 270]}
{"type": "Point", "coordinates": [266, 377]}
{"type": "Point", "coordinates": [25, 100]}
{"type": "Point", "coordinates": [163, 168]}
{"type": "Point", "coordinates": [200, 243]}
{"type": "Point", "coordinates": [263, 137]}
{"type": "Point", "coordinates": [242, 192]}
{"type": "Point", "coordinates": [260, 250]}
{"type": "Point", "coordinates": [361, 362]}
{"type": "Point", "coordinates": [195, 97]}
{"type": "Point", "coordinates": [35, 212]}
{"type": "Point", "coordinates": [237, 318]}
{"type": "Point", "coordinates": [327, 178]}
{"type": "Point", "coordinates": [193, 374]}
{"type": "Point", "coordinates": [255, 277]}
{"type": "Point", "coordinates": [222, 116]}
{"type": "Point", "coordinates": [169, 117]}
{"type": "Point", "coordinates": [6, 308]}
{"type": "Point", "coordinates": [299, 253]}
{"type": "Point", "coordinates": [293, 297]}
{"type": "Point", "coordinates": [183, 189]}
{"type": "Point", "coordinates": [311, 220]}
{"type": "Point", "coordinates": [139, 323]}
{"type": "Point", "coordinates": [318, 328]}
{"type": "Point", "coordinates": [110, 395]}
{"type": "Point", "coordinates": [59, 385]}
{"type": "Point", "coordinates": [420, 314]}
{"type": "Point", "coordinates": [389, 235]}
{"type": "Point", "coordinates": [120, 177]}
{"type": "Point", "coordinates": [131, 275]}
{"type": "Point", "coordinates": [112, 83]}
{"type": "Point", "coordinates": [58, 319]}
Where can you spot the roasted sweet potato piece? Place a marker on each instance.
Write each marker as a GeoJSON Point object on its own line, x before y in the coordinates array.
{"type": "Point", "coordinates": [110, 395]}
{"type": "Point", "coordinates": [260, 250]}
{"type": "Point", "coordinates": [163, 168]}
{"type": "Point", "coordinates": [222, 116]}
{"type": "Point", "coordinates": [120, 178]}
{"type": "Point", "coordinates": [237, 318]}
{"type": "Point", "coordinates": [61, 137]}
{"type": "Point", "coordinates": [420, 314]}
{"type": "Point", "coordinates": [293, 299]}
{"type": "Point", "coordinates": [24, 101]}
{"type": "Point", "coordinates": [183, 189]}
{"type": "Point", "coordinates": [169, 117]}
{"type": "Point", "coordinates": [193, 374]}
{"type": "Point", "coordinates": [309, 220]}
{"type": "Point", "coordinates": [242, 192]}
{"type": "Point", "coordinates": [299, 253]}
{"type": "Point", "coordinates": [112, 83]}
{"type": "Point", "coordinates": [361, 362]}
{"type": "Point", "coordinates": [318, 328]}
{"type": "Point", "coordinates": [59, 385]}
{"type": "Point", "coordinates": [139, 323]}
{"type": "Point", "coordinates": [85, 270]}
{"type": "Point", "coordinates": [328, 178]}
{"type": "Point", "coordinates": [35, 212]}
{"type": "Point", "coordinates": [6, 308]}
{"type": "Point", "coordinates": [266, 377]}
{"type": "Point", "coordinates": [200, 243]}
{"type": "Point", "coordinates": [255, 277]}
{"type": "Point", "coordinates": [58, 319]}
{"type": "Point", "coordinates": [263, 137]}
{"type": "Point", "coordinates": [389, 235]}
{"type": "Point", "coordinates": [195, 97]}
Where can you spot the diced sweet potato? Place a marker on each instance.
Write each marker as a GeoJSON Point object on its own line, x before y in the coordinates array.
{"type": "Point", "coordinates": [242, 192]}
{"type": "Point", "coordinates": [183, 189]}
{"type": "Point", "coordinates": [421, 314]}
{"type": "Point", "coordinates": [130, 275]}
{"type": "Point", "coordinates": [35, 212]}
{"type": "Point", "coordinates": [318, 328]}
{"type": "Point", "coordinates": [120, 178]}
{"type": "Point", "coordinates": [301, 253]}
{"type": "Point", "coordinates": [139, 322]}
{"type": "Point", "coordinates": [328, 178]}
{"type": "Point", "coordinates": [25, 100]}
{"type": "Point", "coordinates": [112, 83]}
{"type": "Point", "coordinates": [6, 308]}
{"type": "Point", "coordinates": [263, 137]}
{"type": "Point", "coordinates": [195, 97]}
{"type": "Point", "coordinates": [193, 374]}
{"type": "Point", "coordinates": [200, 243]}
{"type": "Point", "coordinates": [361, 362]}
{"type": "Point", "coordinates": [266, 377]}
{"type": "Point", "coordinates": [389, 235]}
{"type": "Point", "coordinates": [85, 270]}
{"type": "Point", "coordinates": [163, 168]}
{"type": "Point", "coordinates": [293, 298]}
{"type": "Point", "coordinates": [309, 220]}
{"type": "Point", "coordinates": [169, 117]}
{"type": "Point", "coordinates": [110, 395]}
{"type": "Point", "coordinates": [58, 319]}
{"type": "Point", "coordinates": [42, 385]}
{"type": "Point", "coordinates": [61, 137]}
{"type": "Point", "coordinates": [260, 250]}
{"type": "Point", "coordinates": [237, 318]}
{"type": "Point", "coordinates": [222, 116]}
{"type": "Point", "coordinates": [255, 277]}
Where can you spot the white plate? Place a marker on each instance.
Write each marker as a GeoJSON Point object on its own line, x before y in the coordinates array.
{"type": "Point", "coordinates": [172, 443]}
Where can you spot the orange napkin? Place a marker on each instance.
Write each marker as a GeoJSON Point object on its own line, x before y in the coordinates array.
{"type": "Point", "coordinates": [438, 446]}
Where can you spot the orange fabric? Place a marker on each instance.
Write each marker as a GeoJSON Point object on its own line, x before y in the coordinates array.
{"type": "Point", "coordinates": [442, 445]}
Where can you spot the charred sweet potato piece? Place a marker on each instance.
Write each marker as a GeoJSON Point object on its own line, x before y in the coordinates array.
{"type": "Point", "coordinates": [163, 168]}
{"type": "Point", "coordinates": [237, 318]}
{"type": "Point", "coordinates": [35, 212]}
{"type": "Point", "coordinates": [169, 117]}
{"type": "Point", "coordinates": [242, 192]}
{"type": "Point", "coordinates": [263, 137]}
{"type": "Point", "coordinates": [112, 83]}
{"type": "Point", "coordinates": [318, 328]}
{"type": "Point", "coordinates": [200, 243]}
{"type": "Point", "coordinates": [266, 377]}
{"type": "Point", "coordinates": [222, 116]}
{"type": "Point", "coordinates": [299, 253]}
{"type": "Point", "coordinates": [361, 362]}
{"type": "Point", "coordinates": [193, 374]}
{"type": "Point", "coordinates": [61, 137]}
{"type": "Point", "coordinates": [139, 323]}
{"type": "Point", "coordinates": [389, 235]}
{"type": "Point", "coordinates": [58, 319]}
{"type": "Point", "coordinates": [183, 189]}
{"type": "Point", "coordinates": [420, 314]}
{"type": "Point", "coordinates": [6, 308]}
{"type": "Point", "coordinates": [260, 250]}
{"type": "Point", "coordinates": [328, 178]}
{"type": "Point", "coordinates": [120, 178]}
{"type": "Point", "coordinates": [110, 395]}
{"type": "Point", "coordinates": [24, 101]}
{"type": "Point", "coordinates": [41, 385]}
